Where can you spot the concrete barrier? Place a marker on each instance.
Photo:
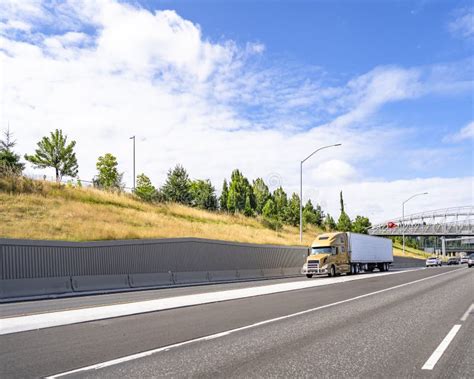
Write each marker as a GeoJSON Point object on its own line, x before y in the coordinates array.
{"type": "Point", "coordinates": [12, 288]}
{"type": "Point", "coordinates": [223, 275]}
{"type": "Point", "coordinates": [99, 282]}
{"type": "Point", "coordinates": [150, 280]}
{"type": "Point", "coordinates": [188, 277]}
{"type": "Point", "coordinates": [250, 274]}
{"type": "Point", "coordinates": [272, 272]}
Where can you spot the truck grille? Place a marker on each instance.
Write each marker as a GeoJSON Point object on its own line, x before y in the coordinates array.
{"type": "Point", "coordinates": [313, 264]}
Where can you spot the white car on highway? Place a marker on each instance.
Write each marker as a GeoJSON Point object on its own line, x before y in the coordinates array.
{"type": "Point", "coordinates": [433, 262]}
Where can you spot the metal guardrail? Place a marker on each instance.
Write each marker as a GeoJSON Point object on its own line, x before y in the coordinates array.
{"type": "Point", "coordinates": [41, 268]}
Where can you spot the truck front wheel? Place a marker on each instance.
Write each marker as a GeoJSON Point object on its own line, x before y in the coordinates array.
{"type": "Point", "coordinates": [309, 276]}
{"type": "Point", "coordinates": [332, 271]}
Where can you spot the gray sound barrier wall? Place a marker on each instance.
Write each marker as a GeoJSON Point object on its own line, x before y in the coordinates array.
{"type": "Point", "coordinates": [41, 268]}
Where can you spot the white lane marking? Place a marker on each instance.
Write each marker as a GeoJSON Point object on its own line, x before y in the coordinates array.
{"type": "Point", "coordinates": [431, 362]}
{"type": "Point", "coordinates": [128, 358]}
{"type": "Point", "coordinates": [48, 320]}
{"type": "Point", "coordinates": [468, 312]}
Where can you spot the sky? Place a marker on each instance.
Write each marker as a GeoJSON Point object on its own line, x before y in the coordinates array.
{"type": "Point", "coordinates": [254, 85]}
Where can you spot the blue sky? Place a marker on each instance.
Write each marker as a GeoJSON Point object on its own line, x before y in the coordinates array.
{"type": "Point", "coordinates": [257, 86]}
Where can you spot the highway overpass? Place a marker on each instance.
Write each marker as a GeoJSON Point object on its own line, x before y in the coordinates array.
{"type": "Point", "coordinates": [447, 222]}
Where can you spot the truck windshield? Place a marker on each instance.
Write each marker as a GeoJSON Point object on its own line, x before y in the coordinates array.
{"type": "Point", "coordinates": [320, 250]}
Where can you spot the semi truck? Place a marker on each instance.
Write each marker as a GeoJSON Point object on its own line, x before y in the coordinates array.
{"type": "Point", "coordinates": [349, 253]}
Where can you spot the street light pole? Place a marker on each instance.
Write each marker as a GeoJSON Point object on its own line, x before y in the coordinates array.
{"type": "Point", "coordinates": [403, 216]}
{"type": "Point", "coordinates": [301, 184]}
{"type": "Point", "coordinates": [133, 137]}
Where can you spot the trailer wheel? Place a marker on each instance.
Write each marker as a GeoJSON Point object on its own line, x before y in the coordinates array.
{"type": "Point", "coordinates": [387, 266]}
{"type": "Point", "coordinates": [309, 276]}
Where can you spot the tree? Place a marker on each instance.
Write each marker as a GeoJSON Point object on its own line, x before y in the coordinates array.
{"type": "Point", "coordinates": [309, 214]}
{"type": "Point", "coordinates": [329, 223]}
{"type": "Point", "coordinates": [361, 225]}
{"type": "Point", "coordinates": [270, 216]}
{"type": "Point", "coordinates": [261, 193]}
{"type": "Point", "coordinates": [281, 202]}
{"type": "Point", "coordinates": [9, 161]}
{"type": "Point", "coordinates": [341, 200]}
{"type": "Point", "coordinates": [203, 195]}
{"type": "Point", "coordinates": [292, 214]}
{"type": "Point", "coordinates": [344, 223]}
{"type": "Point", "coordinates": [239, 189]}
{"type": "Point", "coordinates": [248, 211]}
{"type": "Point", "coordinates": [108, 176]}
{"type": "Point", "coordinates": [177, 186]}
{"type": "Point", "coordinates": [319, 213]}
{"type": "Point", "coordinates": [224, 196]}
{"type": "Point", "coordinates": [55, 152]}
{"type": "Point", "coordinates": [145, 189]}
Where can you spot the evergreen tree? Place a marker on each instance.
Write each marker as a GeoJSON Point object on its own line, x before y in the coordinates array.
{"type": "Point", "coordinates": [177, 186]}
{"type": "Point", "coordinates": [55, 152]}
{"type": "Point", "coordinates": [329, 223]}
{"type": "Point", "coordinates": [144, 189]}
{"type": "Point", "coordinates": [261, 193]}
{"type": "Point", "coordinates": [239, 189]}
{"type": "Point", "coordinates": [341, 200]}
{"type": "Point", "coordinates": [248, 211]}
{"type": "Point", "coordinates": [361, 225]}
{"type": "Point", "coordinates": [292, 214]}
{"type": "Point", "coordinates": [309, 213]}
{"type": "Point", "coordinates": [203, 195]}
{"type": "Point", "coordinates": [108, 176]}
{"type": "Point", "coordinates": [270, 216]}
{"type": "Point", "coordinates": [319, 215]}
{"type": "Point", "coordinates": [9, 161]}
{"type": "Point", "coordinates": [281, 202]}
{"type": "Point", "coordinates": [344, 223]}
{"type": "Point", "coordinates": [224, 196]}
{"type": "Point", "coordinates": [269, 209]}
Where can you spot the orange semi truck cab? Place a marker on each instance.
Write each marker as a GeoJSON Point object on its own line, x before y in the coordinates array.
{"type": "Point", "coordinates": [350, 253]}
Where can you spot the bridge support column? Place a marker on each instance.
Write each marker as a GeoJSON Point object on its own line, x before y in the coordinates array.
{"type": "Point", "coordinates": [443, 246]}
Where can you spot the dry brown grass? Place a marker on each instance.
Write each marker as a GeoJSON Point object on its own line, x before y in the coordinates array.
{"type": "Point", "coordinates": [409, 252]}
{"type": "Point", "coordinates": [85, 214]}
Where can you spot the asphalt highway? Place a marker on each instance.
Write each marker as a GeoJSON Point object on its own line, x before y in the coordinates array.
{"type": "Point", "coordinates": [378, 326]}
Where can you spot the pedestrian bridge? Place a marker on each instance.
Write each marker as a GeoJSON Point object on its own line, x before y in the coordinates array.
{"type": "Point", "coordinates": [458, 221]}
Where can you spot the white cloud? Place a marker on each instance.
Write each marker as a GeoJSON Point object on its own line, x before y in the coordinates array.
{"type": "Point", "coordinates": [205, 104]}
{"type": "Point", "coordinates": [466, 133]}
{"type": "Point", "coordinates": [462, 23]}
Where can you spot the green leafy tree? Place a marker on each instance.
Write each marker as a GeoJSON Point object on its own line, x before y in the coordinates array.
{"type": "Point", "coordinates": [145, 189]}
{"type": "Point", "coordinates": [261, 193]}
{"type": "Point", "coordinates": [54, 151]}
{"type": "Point", "coordinates": [361, 225]}
{"type": "Point", "coordinates": [281, 202]}
{"type": "Point", "coordinates": [239, 190]}
{"type": "Point", "coordinates": [224, 196]}
{"type": "Point", "coordinates": [108, 176]}
{"type": "Point", "coordinates": [177, 186]}
{"type": "Point", "coordinates": [9, 161]}
{"type": "Point", "coordinates": [203, 195]}
{"type": "Point", "coordinates": [292, 214]}
{"type": "Point", "coordinates": [344, 223]}
{"type": "Point", "coordinates": [329, 223]}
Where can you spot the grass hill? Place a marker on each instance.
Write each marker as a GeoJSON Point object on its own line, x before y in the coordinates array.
{"type": "Point", "coordinates": [44, 210]}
